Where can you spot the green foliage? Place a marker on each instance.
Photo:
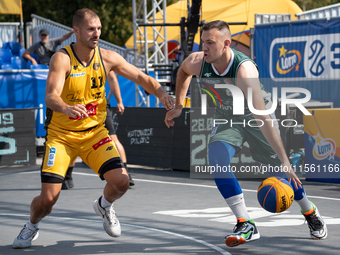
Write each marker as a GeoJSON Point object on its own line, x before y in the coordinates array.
{"type": "Point", "coordinates": [306, 5]}
{"type": "Point", "coordinates": [115, 15]}
{"type": "Point", "coordinates": [9, 18]}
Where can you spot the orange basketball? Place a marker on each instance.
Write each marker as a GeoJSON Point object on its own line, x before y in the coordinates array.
{"type": "Point", "coordinates": [275, 194]}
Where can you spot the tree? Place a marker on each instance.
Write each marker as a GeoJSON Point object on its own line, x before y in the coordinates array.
{"type": "Point", "coordinates": [115, 15]}
{"type": "Point", "coordinates": [306, 5]}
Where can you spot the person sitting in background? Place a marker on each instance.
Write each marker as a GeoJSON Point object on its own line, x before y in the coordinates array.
{"type": "Point", "coordinates": [45, 48]}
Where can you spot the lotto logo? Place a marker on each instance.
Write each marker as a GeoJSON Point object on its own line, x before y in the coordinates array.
{"type": "Point", "coordinates": [324, 148]}
{"type": "Point", "coordinates": [312, 56]}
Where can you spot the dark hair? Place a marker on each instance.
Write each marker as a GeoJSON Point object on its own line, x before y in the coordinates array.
{"type": "Point", "coordinates": [219, 24]}
{"type": "Point", "coordinates": [79, 16]}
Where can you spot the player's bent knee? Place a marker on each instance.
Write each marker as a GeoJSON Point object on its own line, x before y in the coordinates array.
{"type": "Point", "coordinates": [112, 164]}
{"type": "Point", "coordinates": [221, 153]}
{"type": "Point", "coordinates": [49, 195]}
{"type": "Point", "coordinates": [123, 184]}
{"type": "Point", "coordinates": [118, 179]}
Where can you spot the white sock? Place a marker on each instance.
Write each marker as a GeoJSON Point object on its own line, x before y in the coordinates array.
{"type": "Point", "coordinates": [238, 206]}
{"type": "Point", "coordinates": [104, 203]}
{"type": "Point", "coordinates": [304, 204]}
{"type": "Point", "coordinates": [30, 225]}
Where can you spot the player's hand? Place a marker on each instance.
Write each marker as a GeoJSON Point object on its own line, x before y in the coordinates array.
{"type": "Point", "coordinates": [170, 115]}
{"type": "Point", "coordinates": [292, 177]}
{"type": "Point", "coordinates": [120, 108]}
{"type": "Point", "coordinates": [167, 101]}
{"type": "Point", "coordinates": [75, 111]}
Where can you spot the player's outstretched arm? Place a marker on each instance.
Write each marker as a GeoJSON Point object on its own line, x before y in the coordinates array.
{"type": "Point", "coordinates": [113, 61]}
{"type": "Point", "coordinates": [58, 71]}
{"type": "Point", "coordinates": [247, 77]}
{"type": "Point", "coordinates": [190, 66]}
{"type": "Point", "coordinates": [66, 36]}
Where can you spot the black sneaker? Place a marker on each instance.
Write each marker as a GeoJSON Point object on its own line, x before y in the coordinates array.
{"type": "Point", "coordinates": [243, 232]}
{"type": "Point", "coordinates": [317, 227]}
{"type": "Point", "coordinates": [67, 184]}
{"type": "Point", "coordinates": [132, 183]}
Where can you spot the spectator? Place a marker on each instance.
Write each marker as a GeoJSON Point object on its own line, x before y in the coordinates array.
{"type": "Point", "coordinates": [45, 48]}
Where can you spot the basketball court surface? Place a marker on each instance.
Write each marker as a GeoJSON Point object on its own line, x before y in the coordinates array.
{"type": "Point", "coordinates": [166, 212]}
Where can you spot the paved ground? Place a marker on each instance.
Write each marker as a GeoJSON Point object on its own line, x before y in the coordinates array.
{"type": "Point", "coordinates": [165, 213]}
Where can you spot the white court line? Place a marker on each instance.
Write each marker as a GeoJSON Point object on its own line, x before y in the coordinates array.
{"type": "Point", "coordinates": [188, 184]}
{"type": "Point", "coordinates": [214, 187]}
{"type": "Point", "coordinates": [209, 245]}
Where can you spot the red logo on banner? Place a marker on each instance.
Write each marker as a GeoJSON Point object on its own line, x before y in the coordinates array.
{"type": "Point", "coordinates": [101, 142]}
{"type": "Point", "coordinates": [91, 109]}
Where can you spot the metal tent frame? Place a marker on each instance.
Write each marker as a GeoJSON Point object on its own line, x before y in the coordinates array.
{"type": "Point", "coordinates": [154, 49]}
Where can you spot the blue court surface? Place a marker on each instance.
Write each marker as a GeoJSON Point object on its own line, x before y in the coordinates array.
{"type": "Point", "coordinates": [166, 212]}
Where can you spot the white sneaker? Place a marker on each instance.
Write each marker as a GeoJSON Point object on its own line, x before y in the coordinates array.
{"type": "Point", "coordinates": [25, 237]}
{"type": "Point", "coordinates": [110, 220]}
{"type": "Point", "coordinates": [317, 226]}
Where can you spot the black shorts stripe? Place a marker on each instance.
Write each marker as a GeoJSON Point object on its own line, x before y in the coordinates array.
{"type": "Point", "coordinates": [111, 164]}
{"type": "Point", "coordinates": [51, 178]}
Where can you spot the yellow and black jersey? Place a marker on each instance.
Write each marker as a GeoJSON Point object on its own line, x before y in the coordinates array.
{"type": "Point", "coordinates": [84, 85]}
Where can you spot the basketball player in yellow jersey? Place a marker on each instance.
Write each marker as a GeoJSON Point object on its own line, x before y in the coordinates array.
{"type": "Point", "coordinates": [75, 98]}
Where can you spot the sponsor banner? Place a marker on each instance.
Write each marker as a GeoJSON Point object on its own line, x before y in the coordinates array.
{"type": "Point", "coordinates": [298, 50]}
{"type": "Point", "coordinates": [303, 54]}
{"type": "Point", "coordinates": [147, 140]}
{"type": "Point", "coordinates": [322, 144]}
{"type": "Point", "coordinates": [307, 57]}
{"type": "Point", "coordinates": [17, 137]}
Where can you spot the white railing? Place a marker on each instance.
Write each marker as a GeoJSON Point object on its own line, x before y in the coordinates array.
{"type": "Point", "coordinates": [9, 32]}
{"type": "Point", "coordinates": [331, 11]}
{"type": "Point", "coordinates": [271, 18]}
{"type": "Point", "coordinates": [57, 30]}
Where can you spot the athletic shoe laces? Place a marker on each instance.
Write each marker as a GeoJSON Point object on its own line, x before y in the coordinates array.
{"type": "Point", "coordinates": [112, 215]}
{"type": "Point", "coordinates": [314, 221]}
{"type": "Point", "coordinates": [239, 226]}
{"type": "Point", "coordinates": [26, 233]}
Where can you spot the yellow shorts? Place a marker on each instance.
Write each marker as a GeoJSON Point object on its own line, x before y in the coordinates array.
{"type": "Point", "coordinates": [94, 147]}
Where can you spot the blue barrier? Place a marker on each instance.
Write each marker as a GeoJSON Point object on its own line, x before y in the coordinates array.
{"type": "Point", "coordinates": [300, 54]}
{"type": "Point", "coordinates": [26, 89]}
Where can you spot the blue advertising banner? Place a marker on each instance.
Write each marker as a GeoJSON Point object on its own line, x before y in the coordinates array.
{"type": "Point", "coordinates": [26, 89]}
{"type": "Point", "coordinates": [301, 54]}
